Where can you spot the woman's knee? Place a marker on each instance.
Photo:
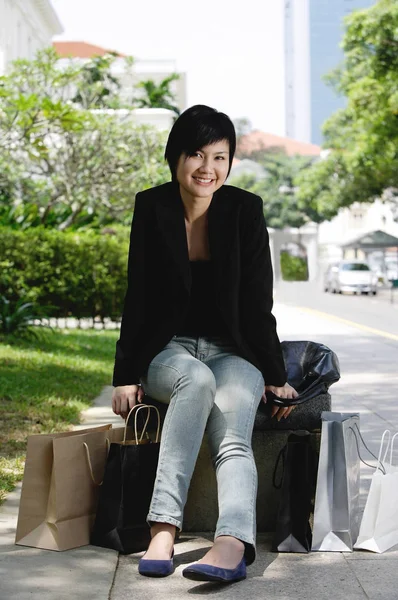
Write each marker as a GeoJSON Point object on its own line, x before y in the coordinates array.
{"type": "Point", "coordinates": [231, 449]}
{"type": "Point", "coordinates": [197, 374]}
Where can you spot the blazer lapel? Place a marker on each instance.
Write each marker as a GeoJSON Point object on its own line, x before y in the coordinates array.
{"type": "Point", "coordinates": [170, 215]}
{"type": "Point", "coordinates": [221, 236]}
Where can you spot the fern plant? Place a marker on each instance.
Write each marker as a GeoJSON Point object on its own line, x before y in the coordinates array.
{"type": "Point", "coordinates": [18, 319]}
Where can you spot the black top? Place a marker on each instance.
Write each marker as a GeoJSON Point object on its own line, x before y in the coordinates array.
{"type": "Point", "coordinates": [158, 262]}
{"type": "Point", "coordinates": [203, 316]}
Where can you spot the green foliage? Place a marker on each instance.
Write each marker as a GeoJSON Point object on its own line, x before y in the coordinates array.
{"type": "Point", "coordinates": [97, 87]}
{"type": "Point", "coordinates": [17, 319]}
{"type": "Point", "coordinates": [158, 95]}
{"type": "Point", "coordinates": [78, 274]}
{"type": "Point", "coordinates": [363, 137]}
{"type": "Point", "coordinates": [65, 160]}
{"type": "Point", "coordinates": [278, 190]}
{"type": "Point", "coordinates": [293, 268]}
{"type": "Point", "coordinates": [44, 385]}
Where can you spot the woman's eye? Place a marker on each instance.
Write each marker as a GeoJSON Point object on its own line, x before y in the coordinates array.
{"type": "Point", "coordinates": [221, 157]}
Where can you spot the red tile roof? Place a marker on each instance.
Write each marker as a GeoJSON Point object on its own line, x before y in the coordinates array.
{"type": "Point", "coordinates": [258, 140]}
{"type": "Point", "coordinates": [80, 50]}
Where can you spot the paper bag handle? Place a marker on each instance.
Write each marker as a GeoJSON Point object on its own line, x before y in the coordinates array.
{"type": "Point", "coordinates": [139, 407]}
{"type": "Point", "coordinates": [90, 466]}
{"type": "Point", "coordinates": [392, 447]}
{"type": "Point", "coordinates": [387, 433]}
{"type": "Point", "coordinates": [365, 446]}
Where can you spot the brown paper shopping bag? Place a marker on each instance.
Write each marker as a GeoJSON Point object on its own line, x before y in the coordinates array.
{"type": "Point", "coordinates": [60, 488]}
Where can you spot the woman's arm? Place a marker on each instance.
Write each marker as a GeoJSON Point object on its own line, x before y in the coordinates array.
{"type": "Point", "coordinates": [128, 346]}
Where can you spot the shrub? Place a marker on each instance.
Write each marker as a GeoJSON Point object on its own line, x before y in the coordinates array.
{"type": "Point", "coordinates": [294, 268]}
{"type": "Point", "coordinates": [79, 274]}
{"type": "Point", "coordinates": [17, 319]}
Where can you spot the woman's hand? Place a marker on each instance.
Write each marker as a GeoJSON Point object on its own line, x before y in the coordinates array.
{"type": "Point", "coordinates": [124, 397]}
{"type": "Point", "coordinates": [286, 391]}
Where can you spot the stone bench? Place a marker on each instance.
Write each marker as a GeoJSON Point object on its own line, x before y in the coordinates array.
{"type": "Point", "coordinates": [269, 436]}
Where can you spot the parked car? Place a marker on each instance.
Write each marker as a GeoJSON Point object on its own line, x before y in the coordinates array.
{"type": "Point", "coordinates": [350, 276]}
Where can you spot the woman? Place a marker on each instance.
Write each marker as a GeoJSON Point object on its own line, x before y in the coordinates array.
{"type": "Point", "coordinates": [197, 333]}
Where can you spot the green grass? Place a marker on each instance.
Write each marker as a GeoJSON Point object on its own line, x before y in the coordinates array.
{"type": "Point", "coordinates": [44, 385]}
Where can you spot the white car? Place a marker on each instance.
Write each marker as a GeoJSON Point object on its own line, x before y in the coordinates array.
{"type": "Point", "coordinates": [350, 276]}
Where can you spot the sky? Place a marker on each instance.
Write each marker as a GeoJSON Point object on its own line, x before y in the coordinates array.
{"type": "Point", "coordinates": [231, 52]}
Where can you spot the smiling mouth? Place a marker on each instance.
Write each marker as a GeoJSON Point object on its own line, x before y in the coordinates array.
{"type": "Point", "coordinates": [203, 180]}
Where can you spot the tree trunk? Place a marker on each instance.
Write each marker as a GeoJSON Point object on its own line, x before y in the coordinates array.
{"type": "Point", "coordinates": [70, 220]}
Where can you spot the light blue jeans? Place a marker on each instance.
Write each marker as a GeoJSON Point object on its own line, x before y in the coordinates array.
{"type": "Point", "coordinates": [207, 386]}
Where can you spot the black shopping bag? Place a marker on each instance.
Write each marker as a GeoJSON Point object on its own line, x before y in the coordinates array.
{"type": "Point", "coordinates": [293, 529]}
{"type": "Point", "coordinates": [126, 490]}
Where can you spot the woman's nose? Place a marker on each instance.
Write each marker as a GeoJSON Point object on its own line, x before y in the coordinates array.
{"type": "Point", "coordinates": [206, 166]}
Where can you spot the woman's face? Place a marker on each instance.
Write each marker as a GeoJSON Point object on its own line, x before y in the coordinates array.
{"type": "Point", "coordinates": [203, 173]}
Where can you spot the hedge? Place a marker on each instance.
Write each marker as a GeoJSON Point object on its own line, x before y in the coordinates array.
{"type": "Point", "coordinates": [79, 274]}
{"type": "Point", "coordinates": [293, 268]}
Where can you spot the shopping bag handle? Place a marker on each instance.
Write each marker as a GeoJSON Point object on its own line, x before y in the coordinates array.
{"type": "Point", "coordinates": [392, 447]}
{"type": "Point", "coordinates": [387, 433]}
{"type": "Point", "coordinates": [90, 466]}
{"type": "Point", "coordinates": [379, 462]}
{"type": "Point", "coordinates": [139, 407]}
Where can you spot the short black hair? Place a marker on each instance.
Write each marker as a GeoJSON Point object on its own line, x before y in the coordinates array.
{"type": "Point", "coordinates": [196, 127]}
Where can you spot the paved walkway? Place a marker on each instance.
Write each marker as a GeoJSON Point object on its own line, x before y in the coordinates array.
{"type": "Point", "coordinates": [369, 384]}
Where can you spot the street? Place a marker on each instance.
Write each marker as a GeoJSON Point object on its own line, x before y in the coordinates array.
{"type": "Point", "coordinates": [376, 312]}
{"type": "Point", "coordinates": [363, 332]}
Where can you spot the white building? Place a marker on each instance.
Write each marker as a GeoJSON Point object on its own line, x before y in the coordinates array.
{"type": "Point", "coordinates": [25, 27]}
{"type": "Point", "coordinates": [142, 70]}
{"type": "Point", "coordinates": [313, 33]}
{"type": "Point", "coordinates": [159, 118]}
{"type": "Point", "coordinates": [350, 224]}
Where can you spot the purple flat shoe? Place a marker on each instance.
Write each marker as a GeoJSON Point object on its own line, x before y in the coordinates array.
{"type": "Point", "coordinates": [156, 568]}
{"type": "Point", "coordinates": [203, 572]}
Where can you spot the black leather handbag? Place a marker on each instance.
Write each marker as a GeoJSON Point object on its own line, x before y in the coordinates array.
{"type": "Point", "coordinates": [311, 369]}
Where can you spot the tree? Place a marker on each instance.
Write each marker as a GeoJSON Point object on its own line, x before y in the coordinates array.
{"type": "Point", "coordinates": [63, 164]}
{"type": "Point", "coordinates": [158, 95]}
{"type": "Point", "coordinates": [97, 86]}
{"type": "Point", "coordinates": [362, 164]}
{"type": "Point", "coordinates": [243, 126]}
{"type": "Point", "coordinates": [279, 192]}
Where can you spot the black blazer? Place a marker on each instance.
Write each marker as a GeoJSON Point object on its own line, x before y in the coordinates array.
{"type": "Point", "coordinates": [159, 280]}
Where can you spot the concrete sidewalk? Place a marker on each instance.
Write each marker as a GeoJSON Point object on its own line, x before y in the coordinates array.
{"type": "Point", "coordinates": [368, 386]}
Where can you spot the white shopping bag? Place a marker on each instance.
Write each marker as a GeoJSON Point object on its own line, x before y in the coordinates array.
{"type": "Point", "coordinates": [379, 527]}
{"type": "Point", "coordinates": [336, 513]}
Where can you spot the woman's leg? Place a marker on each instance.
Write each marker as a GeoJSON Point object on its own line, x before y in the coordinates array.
{"type": "Point", "coordinates": [239, 387]}
{"type": "Point", "coordinates": [175, 376]}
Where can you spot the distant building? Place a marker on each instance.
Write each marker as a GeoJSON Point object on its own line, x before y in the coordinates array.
{"type": "Point", "coordinates": [141, 71]}
{"type": "Point", "coordinates": [259, 140]}
{"type": "Point", "coordinates": [351, 223]}
{"type": "Point", "coordinates": [246, 167]}
{"type": "Point", "coordinates": [313, 33]}
{"type": "Point", "coordinates": [26, 26]}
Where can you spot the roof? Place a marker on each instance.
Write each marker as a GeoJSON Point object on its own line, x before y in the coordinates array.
{"type": "Point", "coordinates": [373, 239]}
{"type": "Point", "coordinates": [259, 140]}
{"type": "Point", "coordinates": [81, 50]}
